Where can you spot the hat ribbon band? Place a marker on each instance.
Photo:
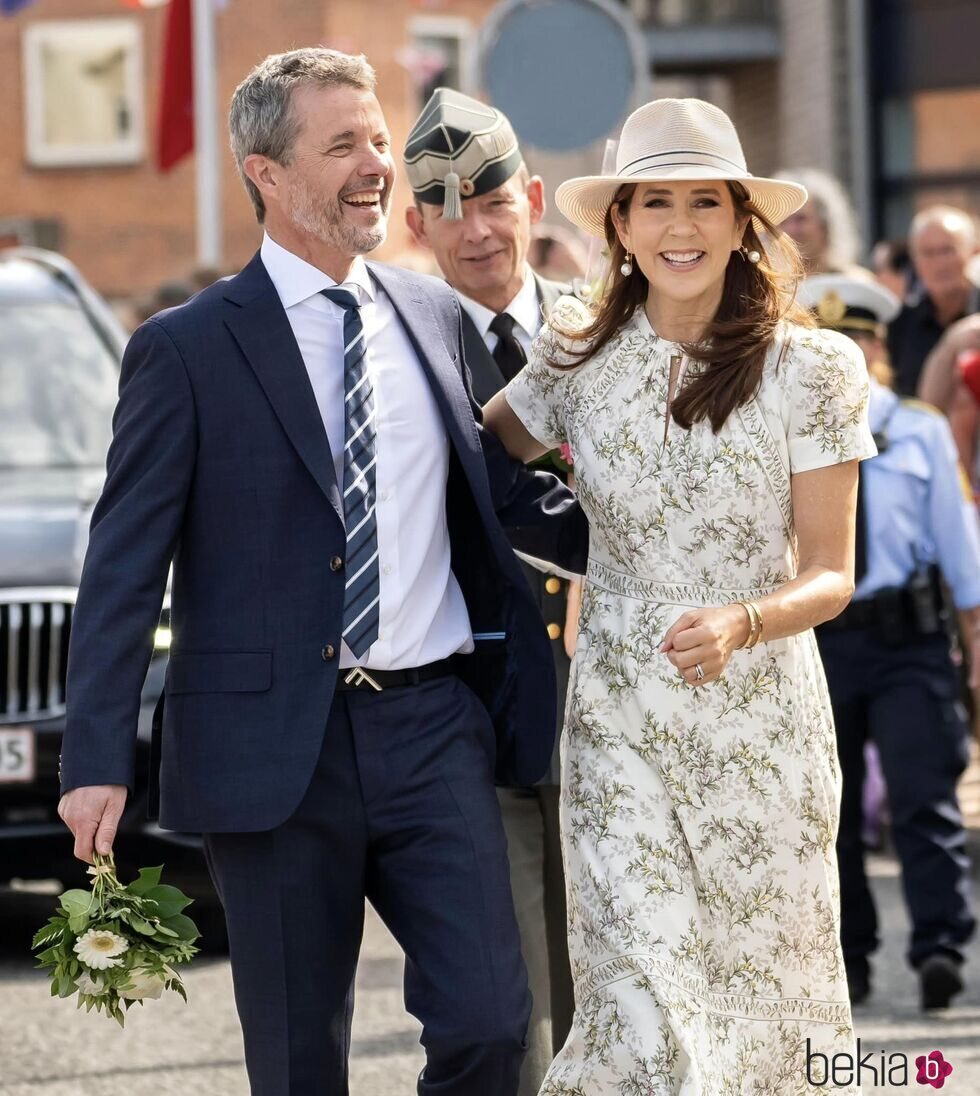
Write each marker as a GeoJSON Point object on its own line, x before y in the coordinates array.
{"type": "Point", "coordinates": [656, 159]}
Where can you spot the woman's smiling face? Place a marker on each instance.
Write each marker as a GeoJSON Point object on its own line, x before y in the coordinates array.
{"type": "Point", "coordinates": [682, 235]}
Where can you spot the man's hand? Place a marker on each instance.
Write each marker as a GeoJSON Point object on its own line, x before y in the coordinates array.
{"type": "Point", "coordinates": [92, 814]}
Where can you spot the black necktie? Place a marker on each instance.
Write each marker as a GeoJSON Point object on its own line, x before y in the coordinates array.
{"type": "Point", "coordinates": [860, 531]}
{"type": "Point", "coordinates": [508, 353]}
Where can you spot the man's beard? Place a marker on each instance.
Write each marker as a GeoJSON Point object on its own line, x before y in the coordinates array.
{"type": "Point", "coordinates": [323, 218]}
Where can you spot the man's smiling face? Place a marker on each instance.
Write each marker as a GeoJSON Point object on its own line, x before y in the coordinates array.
{"type": "Point", "coordinates": [483, 256]}
{"type": "Point", "coordinates": [339, 182]}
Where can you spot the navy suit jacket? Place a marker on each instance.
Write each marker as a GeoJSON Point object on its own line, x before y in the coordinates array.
{"type": "Point", "coordinates": [220, 464]}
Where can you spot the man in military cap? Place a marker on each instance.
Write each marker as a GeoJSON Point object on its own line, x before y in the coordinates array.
{"type": "Point", "coordinates": [888, 660]}
{"type": "Point", "coordinates": [475, 202]}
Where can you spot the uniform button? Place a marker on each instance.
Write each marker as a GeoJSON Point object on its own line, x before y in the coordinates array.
{"type": "Point", "coordinates": [336, 563]}
{"type": "Point", "coordinates": [554, 631]}
{"type": "Point", "coordinates": [327, 653]}
{"type": "Point", "coordinates": [553, 585]}
{"type": "Point", "coordinates": [387, 569]}
{"type": "Point", "coordinates": [385, 495]}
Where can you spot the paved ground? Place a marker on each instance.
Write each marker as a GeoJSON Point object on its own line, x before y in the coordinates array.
{"type": "Point", "coordinates": [48, 1049]}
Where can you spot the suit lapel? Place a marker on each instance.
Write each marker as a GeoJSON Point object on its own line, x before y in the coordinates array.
{"type": "Point", "coordinates": [441, 366]}
{"type": "Point", "coordinates": [259, 326]}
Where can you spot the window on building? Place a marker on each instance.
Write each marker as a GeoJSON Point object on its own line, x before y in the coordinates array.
{"type": "Point", "coordinates": [930, 153]}
{"type": "Point", "coordinates": [441, 53]}
{"type": "Point", "coordinates": [84, 92]}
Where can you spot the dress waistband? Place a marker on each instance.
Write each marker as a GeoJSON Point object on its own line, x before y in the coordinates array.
{"type": "Point", "coordinates": [688, 593]}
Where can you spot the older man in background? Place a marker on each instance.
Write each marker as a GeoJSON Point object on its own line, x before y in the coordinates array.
{"type": "Point", "coordinates": [941, 241]}
{"type": "Point", "coordinates": [475, 203]}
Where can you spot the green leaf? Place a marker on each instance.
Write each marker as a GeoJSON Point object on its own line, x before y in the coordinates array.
{"type": "Point", "coordinates": [169, 900]}
{"type": "Point", "coordinates": [142, 926]}
{"type": "Point", "coordinates": [79, 923]}
{"type": "Point", "coordinates": [53, 930]}
{"type": "Point", "coordinates": [148, 879]}
{"type": "Point", "coordinates": [51, 955]}
{"type": "Point", "coordinates": [76, 902]}
{"type": "Point", "coordinates": [182, 926]}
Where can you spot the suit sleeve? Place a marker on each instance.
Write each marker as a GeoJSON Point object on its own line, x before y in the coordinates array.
{"type": "Point", "coordinates": [134, 532]}
{"type": "Point", "coordinates": [541, 515]}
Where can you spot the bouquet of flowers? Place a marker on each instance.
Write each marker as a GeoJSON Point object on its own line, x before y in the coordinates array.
{"type": "Point", "coordinates": [114, 945]}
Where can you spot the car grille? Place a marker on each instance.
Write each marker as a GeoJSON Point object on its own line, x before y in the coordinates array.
{"type": "Point", "coordinates": [34, 630]}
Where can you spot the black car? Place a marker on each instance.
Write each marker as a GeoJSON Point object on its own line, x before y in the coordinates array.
{"type": "Point", "coordinates": [60, 349]}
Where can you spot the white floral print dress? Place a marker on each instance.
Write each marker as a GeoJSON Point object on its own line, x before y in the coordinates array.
{"type": "Point", "coordinates": [698, 824]}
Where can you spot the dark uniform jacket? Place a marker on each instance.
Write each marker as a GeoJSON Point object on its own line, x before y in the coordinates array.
{"type": "Point", "coordinates": [550, 592]}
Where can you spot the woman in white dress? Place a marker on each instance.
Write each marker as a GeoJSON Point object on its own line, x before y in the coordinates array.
{"type": "Point", "coordinates": [716, 437]}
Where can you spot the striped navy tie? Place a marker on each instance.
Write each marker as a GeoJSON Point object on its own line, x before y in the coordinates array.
{"type": "Point", "coordinates": [363, 593]}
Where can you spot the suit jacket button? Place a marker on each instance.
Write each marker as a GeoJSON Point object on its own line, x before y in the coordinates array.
{"type": "Point", "coordinates": [336, 563]}
{"type": "Point", "coordinates": [552, 585]}
{"type": "Point", "coordinates": [327, 653]}
{"type": "Point", "coordinates": [554, 631]}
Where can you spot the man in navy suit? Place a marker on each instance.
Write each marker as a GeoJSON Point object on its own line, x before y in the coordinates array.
{"type": "Point", "coordinates": [355, 650]}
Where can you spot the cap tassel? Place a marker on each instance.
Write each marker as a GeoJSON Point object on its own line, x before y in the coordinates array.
{"type": "Point", "coordinates": [452, 204]}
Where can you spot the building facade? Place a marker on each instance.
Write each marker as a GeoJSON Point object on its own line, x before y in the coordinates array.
{"type": "Point", "coordinates": [883, 93]}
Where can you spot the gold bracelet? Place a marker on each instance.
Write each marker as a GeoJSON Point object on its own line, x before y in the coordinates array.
{"type": "Point", "coordinates": [755, 624]}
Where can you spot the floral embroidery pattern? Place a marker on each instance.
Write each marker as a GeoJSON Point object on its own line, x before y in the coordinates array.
{"type": "Point", "coordinates": [699, 824]}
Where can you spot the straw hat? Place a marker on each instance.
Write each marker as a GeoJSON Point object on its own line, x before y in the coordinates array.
{"type": "Point", "coordinates": [675, 140]}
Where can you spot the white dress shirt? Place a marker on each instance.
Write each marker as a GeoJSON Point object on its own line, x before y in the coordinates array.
{"type": "Point", "coordinates": [423, 616]}
{"type": "Point", "coordinates": [525, 309]}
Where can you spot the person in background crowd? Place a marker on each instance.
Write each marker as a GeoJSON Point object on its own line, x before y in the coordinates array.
{"type": "Point", "coordinates": [166, 295]}
{"type": "Point", "coordinates": [824, 230]}
{"type": "Point", "coordinates": [556, 254]}
{"type": "Point", "coordinates": [951, 380]}
{"type": "Point", "coordinates": [889, 666]}
{"type": "Point", "coordinates": [941, 241]}
{"type": "Point", "coordinates": [891, 265]}
{"type": "Point", "coordinates": [475, 205]}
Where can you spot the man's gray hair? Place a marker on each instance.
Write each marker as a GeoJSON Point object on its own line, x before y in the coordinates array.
{"type": "Point", "coordinates": [261, 121]}
{"type": "Point", "coordinates": [955, 220]}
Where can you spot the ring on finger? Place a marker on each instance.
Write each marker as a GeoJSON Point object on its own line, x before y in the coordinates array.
{"type": "Point", "coordinates": [699, 672]}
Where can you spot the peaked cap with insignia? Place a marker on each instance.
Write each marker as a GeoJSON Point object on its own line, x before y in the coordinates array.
{"type": "Point", "coordinates": [459, 148]}
{"type": "Point", "coordinates": [850, 304]}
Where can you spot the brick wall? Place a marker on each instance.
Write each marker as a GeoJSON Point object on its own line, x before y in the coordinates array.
{"type": "Point", "coordinates": [129, 227]}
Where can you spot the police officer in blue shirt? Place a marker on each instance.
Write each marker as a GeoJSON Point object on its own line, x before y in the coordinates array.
{"type": "Point", "coordinates": [890, 665]}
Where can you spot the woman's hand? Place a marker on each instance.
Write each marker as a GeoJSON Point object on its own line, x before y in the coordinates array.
{"type": "Point", "coordinates": [705, 638]}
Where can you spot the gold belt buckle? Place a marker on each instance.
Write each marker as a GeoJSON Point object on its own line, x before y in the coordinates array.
{"type": "Point", "coordinates": [359, 676]}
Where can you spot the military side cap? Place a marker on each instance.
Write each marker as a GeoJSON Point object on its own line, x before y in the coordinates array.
{"type": "Point", "coordinates": [459, 148]}
{"type": "Point", "coordinates": [848, 303]}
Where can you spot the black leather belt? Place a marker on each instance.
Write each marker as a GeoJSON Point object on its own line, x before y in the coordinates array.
{"type": "Point", "coordinates": [379, 680]}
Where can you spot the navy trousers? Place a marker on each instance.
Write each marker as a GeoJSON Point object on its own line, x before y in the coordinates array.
{"type": "Point", "coordinates": [401, 810]}
{"type": "Point", "coordinates": [906, 699]}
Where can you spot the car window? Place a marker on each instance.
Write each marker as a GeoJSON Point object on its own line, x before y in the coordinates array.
{"type": "Point", "coordinates": [58, 384]}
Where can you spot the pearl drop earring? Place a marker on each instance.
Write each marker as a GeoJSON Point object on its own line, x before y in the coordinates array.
{"type": "Point", "coordinates": [627, 268]}
{"type": "Point", "coordinates": [752, 256]}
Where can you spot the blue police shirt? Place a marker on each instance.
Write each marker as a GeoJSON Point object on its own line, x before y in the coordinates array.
{"type": "Point", "coordinates": [916, 508]}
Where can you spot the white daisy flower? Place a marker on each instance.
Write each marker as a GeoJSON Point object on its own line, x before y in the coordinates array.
{"type": "Point", "coordinates": [90, 987]}
{"type": "Point", "coordinates": [100, 949]}
{"type": "Point", "coordinates": [142, 984]}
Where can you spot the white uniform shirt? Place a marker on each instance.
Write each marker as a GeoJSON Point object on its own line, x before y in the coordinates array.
{"type": "Point", "coordinates": [525, 308]}
{"type": "Point", "coordinates": [423, 616]}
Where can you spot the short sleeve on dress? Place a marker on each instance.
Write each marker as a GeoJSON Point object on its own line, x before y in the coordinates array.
{"type": "Point", "coordinates": [540, 395]}
{"type": "Point", "coordinates": [825, 396]}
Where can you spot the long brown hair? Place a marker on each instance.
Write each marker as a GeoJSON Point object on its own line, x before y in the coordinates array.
{"type": "Point", "coordinates": [755, 299]}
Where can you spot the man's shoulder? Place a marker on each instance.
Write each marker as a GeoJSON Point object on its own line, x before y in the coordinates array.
{"type": "Point", "coordinates": [436, 290]}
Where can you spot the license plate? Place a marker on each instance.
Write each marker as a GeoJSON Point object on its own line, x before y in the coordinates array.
{"type": "Point", "coordinates": [16, 755]}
